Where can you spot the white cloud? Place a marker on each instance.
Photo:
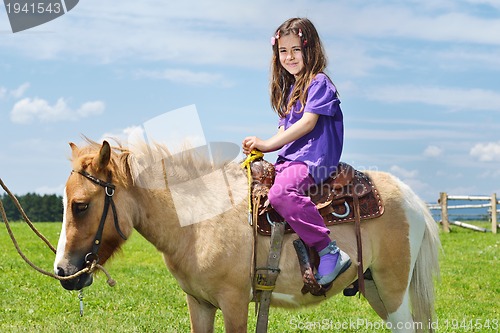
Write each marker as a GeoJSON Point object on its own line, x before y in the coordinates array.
{"type": "Point", "coordinates": [456, 57]}
{"type": "Point", "coordinates": [399, 134]}
{"type": "Point", "coordinates": [185, 76]}
{"type": "Point", "coordinates": [492, 3]}
{"type": "Point", "coordinates": [126, 136]}
{"type": "Point", "coordinates": [453, 98]}
{"type": "Point", "coordinates": [19, 91]}
{"type": "Point", "coordinates": [156, 31]}
{"type": "Point", "coordinates": [433, 151]}
{"type": "Point", "coordinates": [16, 93]}
{"type": "Point", "coordinates": [28, 110]}
{"type": "Point", "coordinates": [488, 174]}
{"type": "Point", "coordinates": [234, 33]}
{"type": "Point", "coordinates": [134, 130]}
{"type": "Point", "coordinates": [403, 173]}
{"type": "Point", "coordinates": [411, 20]}
{"type": "Point", "coordinates": [90, 108]}
{"type": "Point", "coordinates": [486, 152]}
{"type": "Point", "coordinates": [419, 186]}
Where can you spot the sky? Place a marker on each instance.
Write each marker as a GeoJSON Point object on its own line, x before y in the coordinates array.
{"type": "Point", "coordinates": [418, 80]}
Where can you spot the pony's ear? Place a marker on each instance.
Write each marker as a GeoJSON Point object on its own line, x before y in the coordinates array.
{"type": "Point", "coordinates": [101, 161]}
{"type": "Point", "coordinates": [74, 150]}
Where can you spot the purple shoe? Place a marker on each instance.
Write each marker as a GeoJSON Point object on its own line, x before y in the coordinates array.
{"type": "Point", "coordinates": [343, 263]}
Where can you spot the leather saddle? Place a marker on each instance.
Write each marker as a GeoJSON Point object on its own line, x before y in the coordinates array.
{"type": "Point", "coordinates": [335, 198]}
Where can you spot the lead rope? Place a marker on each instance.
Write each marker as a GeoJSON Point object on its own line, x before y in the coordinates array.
{"type": "Point", "coordinates": [91, 267]}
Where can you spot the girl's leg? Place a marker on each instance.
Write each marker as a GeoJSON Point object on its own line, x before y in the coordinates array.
{"type": "Point", "coordinates": [287, 196]}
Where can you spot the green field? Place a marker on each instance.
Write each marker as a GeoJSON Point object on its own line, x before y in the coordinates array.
{"type": "Point", "coordinates": [147, 298]}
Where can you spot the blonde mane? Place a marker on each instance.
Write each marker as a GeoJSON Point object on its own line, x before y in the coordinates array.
{"type": "Point", "coordinates": [153, 166]}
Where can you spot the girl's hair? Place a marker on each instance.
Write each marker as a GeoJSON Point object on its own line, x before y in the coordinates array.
{"type": "Point", "coordinates": [314, 59]}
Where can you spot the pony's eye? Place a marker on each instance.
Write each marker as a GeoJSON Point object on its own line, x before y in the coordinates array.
{"type": "Point", "coordinates": [80, 207]}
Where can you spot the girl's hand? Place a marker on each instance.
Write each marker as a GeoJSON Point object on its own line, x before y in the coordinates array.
{"type": "Point", "coordinates": [250, 143]}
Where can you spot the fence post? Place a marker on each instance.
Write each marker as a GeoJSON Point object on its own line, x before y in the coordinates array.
{"type": "Point", "coordinates": [494, 213]}
{"type": "Point", "coordinates": [443, 200]}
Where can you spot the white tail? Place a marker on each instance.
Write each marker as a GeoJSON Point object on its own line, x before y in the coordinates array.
{"type": "Point", "coordinates": [426, 270]}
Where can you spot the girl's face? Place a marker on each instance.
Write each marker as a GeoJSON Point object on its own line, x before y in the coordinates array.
{"type": "Point", "coordinates": [290, 52]}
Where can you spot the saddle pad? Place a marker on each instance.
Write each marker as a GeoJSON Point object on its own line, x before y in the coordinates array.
{"type": "Point", "coordinates": [336, 207]}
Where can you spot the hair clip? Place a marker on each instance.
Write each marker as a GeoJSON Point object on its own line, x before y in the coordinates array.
{"type": "Point", "coordinates": [275, 38]}
{"type": "Point", "coordinates": [304, 42]}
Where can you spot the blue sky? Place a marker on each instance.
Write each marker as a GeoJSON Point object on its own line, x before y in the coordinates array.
{"type": "Point", "coordinates": [419, 82]}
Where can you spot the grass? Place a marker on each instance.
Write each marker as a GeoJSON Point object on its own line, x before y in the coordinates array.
{"type": "Point", "coordinates": [148, 299]}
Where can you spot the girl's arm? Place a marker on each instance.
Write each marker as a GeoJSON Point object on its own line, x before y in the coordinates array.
{"type": "Point", "coordinates": [303, 126]}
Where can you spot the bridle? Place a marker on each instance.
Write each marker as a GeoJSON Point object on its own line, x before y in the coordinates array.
{"type": "Point", "coordinates": [109, 191]}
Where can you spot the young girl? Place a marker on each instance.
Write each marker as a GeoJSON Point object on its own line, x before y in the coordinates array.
{"type": "Point", "coordinates": [310, 135]}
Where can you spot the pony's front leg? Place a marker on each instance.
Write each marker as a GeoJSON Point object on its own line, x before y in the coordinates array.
{"type": "Point", "coordinates": [234, 307]}
{"type": "Point", "coordinates": [201, 315]}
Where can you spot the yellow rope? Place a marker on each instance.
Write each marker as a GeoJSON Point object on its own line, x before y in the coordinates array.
{"type": "Point", "coordinates": [254, 154]}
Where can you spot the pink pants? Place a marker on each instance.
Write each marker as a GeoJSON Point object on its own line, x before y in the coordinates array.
{"type": "Point", "coordinates": [288, 199]}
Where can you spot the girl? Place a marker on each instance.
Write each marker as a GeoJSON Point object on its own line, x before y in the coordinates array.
{"type": "Point", "coordinates": [310, 135]}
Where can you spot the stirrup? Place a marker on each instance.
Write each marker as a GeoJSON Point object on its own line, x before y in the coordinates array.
{"type": "Point", "coordinates": [343, 263]}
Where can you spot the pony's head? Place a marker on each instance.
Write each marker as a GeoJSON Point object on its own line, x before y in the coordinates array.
{"type": "Point", "coordinates": [96, 220]}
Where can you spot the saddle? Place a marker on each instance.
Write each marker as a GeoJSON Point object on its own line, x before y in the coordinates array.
{"type": "Point", "coordinates": [347, 196]}
{"type": "Point", "coordinates": [334, 198]}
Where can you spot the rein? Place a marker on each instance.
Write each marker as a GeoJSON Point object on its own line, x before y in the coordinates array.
{"type": "Point", "coordinates": [90, 268]}
{"type": "Point", "coordinates": [109, 191]}
{"type": "Point", "coordinates": [254, 154]}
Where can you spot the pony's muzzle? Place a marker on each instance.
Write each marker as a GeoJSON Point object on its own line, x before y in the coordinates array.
{"type": "Point", "coordinates": [77, 283]}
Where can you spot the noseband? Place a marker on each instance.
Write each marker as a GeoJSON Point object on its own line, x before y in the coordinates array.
{"type": "Point", "coordinates": [109, 191]}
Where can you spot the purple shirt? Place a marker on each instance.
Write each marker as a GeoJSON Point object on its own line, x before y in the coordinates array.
{"type": "Point", "coordinates": [321, 148]}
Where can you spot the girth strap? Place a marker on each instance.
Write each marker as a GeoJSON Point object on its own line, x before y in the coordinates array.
{"type": "Point", "coordinates": [270, 276]}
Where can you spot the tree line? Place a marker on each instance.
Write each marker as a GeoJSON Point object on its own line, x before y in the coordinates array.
{"type": "Point", "coordinates": [38, 208]}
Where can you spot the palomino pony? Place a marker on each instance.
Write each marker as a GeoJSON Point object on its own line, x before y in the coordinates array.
{"type": "Point", "coordinates": [212, 260]}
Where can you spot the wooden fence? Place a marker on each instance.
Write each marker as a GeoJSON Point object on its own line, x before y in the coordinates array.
{"type": "Point", "coordinates": [443, 205]}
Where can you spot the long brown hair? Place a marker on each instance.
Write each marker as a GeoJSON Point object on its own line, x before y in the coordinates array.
{"type": "Point", "coordinates": [315, 62]}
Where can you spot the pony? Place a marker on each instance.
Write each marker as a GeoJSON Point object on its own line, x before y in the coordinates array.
{"type": "Point", "coordinates": [211, 254]}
